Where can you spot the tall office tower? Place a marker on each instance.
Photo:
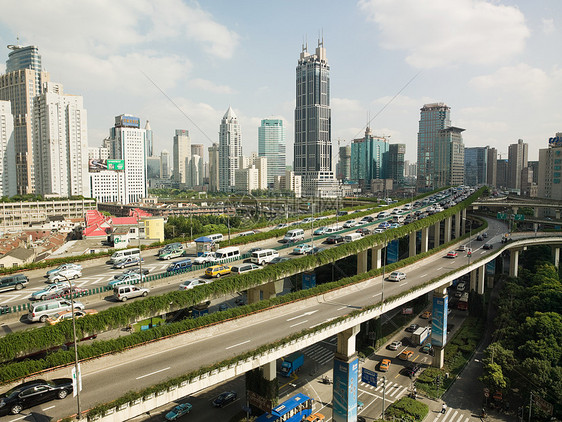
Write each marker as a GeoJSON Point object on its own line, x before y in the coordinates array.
{"type": "Point", "coordinates": [8, 182]}
{"type": "Point", "coordinates": [367, 159]}
{"type": "Point", "coordinates": [492, 170]}
{"type": "Point", "coordinates": [534, 166]}
{"type": "Point", "coordinates": [344, 164]}
{"type": "Point", "coordinates": [395, 163]}
{"type": "Point", "coordinates": [60, 143]}
{"type": "Point", "coordinates": [517, 160]}
{"type": "Point", "coordinates": [153, 166]}
{"type": "Point", "coordinates": [550, 169]}
{"type": "Point", "coordinates": [181, 155]}
{"type": "Point", "coordinates": [194, 170]}
{"type": "Point", "coordinates": [214, 168]}
{"type": "Point", "coordinates": [271, 145]}
{"type": "Point", "coordinates": [128, 143]}
{"type": "Point", "coordinates": [440, 149]}
{"type": "Point", "coordinates": [21, 83]}
{"type": "Point", "coordinates": [502, 174]}
{"type": "Point", "coordinates": [475, 166]}
{"type": "Point", "coordinates": [165, 171]}
{"type": "Point", "coordinates": [313, 141]}
{"type": "Point", "coordinates": [230, 149]}
{"type": "Point", "coordinates": [198, 149]}
{"type": "Point", "coordinates": [149, 139]}
{"type": "Point", "coordinates": [98, 153]}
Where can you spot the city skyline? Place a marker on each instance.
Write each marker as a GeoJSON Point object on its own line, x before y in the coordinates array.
{"type": "Point", "coordinates": [498, 82]}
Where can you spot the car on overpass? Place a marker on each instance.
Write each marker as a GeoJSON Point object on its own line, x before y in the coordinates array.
{"type": "Point", "coordinates": [320, 231]}
{"type": "Point", "coordinates": [395, 345]}
{"type": "Point", "coordinates": [278, 259]}
{"type": "Point", "coordinates": [452, 254]}
{"type": "Point", "coordinates": [396, 276]}
{"type": "Point", "coordinates": [32, 393]}
{"type": "Point", "coordinates": [178, 411]}
{"type": "Point", "coordinates": [68, 274]}
{"type": "Point", "coordinates": [64, 267]}
{"type": "Point", "coordinates": [406, 355]}
{"type": "Point", "coordinates": [303, 249]}
{"type": "Point", "coordinates": [217, 271]}
{"type": "Point", "coordinates": [488, 246]}
{"type": "Point", "coordinates": [225, 398]}
{"type": "Point", "coordinates": [334, 238]}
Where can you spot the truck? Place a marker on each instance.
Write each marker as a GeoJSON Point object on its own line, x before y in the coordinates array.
{"type": "Point", "coordinates": [463, 302]}
{"type": "Point", "coordinates": [292, 364]}
{"type": "Point", "coordinates": [419, 336]}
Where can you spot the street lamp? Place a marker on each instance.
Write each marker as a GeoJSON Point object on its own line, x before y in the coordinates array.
{"type": "Point", "coordinates": [76, 364]}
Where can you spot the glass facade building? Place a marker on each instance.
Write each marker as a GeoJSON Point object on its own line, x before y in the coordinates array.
{"type": "Point", "coordinates": [476, 166]}
{"type": "Point", "coordinates": [368, 156]}
{"type": "Point", "coordinates": [394, 163]}
{"type": "Point", "coordinates": [271, 144]}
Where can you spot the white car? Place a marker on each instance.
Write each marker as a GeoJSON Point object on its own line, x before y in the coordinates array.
{"type": "Point", "coordinates": [191, 283]}
{"type": "Point", "coordinates": [206, 257]}
{"type": "Point", "coordinates": [396, 276]}
{"type": "Point", "coordinates": [68, 274]}
{"type": "Point", "coordinates": [349, 224]}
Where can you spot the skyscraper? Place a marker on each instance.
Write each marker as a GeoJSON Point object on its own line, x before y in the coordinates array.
{"type": "Point", "coordinates": [149, 139]}
{"type": "Point", "coordinates": [517, 159]}
{"type": "Point", "coordinates": [313, 142]}
{"type": "Point", "coordinates": [230, 149]}
{"type": "Point", "coordinates": [198, 149]}
{"type": "Point", "coordinates": [60, 143]}
{"type": "Point", "coordinates": [395, 163]}
{"type": "Point", "coordinates": [492, 171]}
{"type": "Point", "coordinates": [344, 165]}
{"type": "Point", "coordinates": [475, 166]}
{"type": "Point", "coordinates": [271, 144]}
{"type": "Point", "coordinates": [440, 149]}
{"type": "Point", "coordinates": [550, 173]}
{"type": "Point", "coordinates": [367, 159]}
{"type": "Point", "coordinates": [165, 171]}
{"type": "Point", "coordinates": [214, 168]}
{"type": "Point", "coordinates": [21, 83]}
{"type": "Point", "coordinates": [8, 183]}
{"type": "Point", "coordinates": [181, 155]}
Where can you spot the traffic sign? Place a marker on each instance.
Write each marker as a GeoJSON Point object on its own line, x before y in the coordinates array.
{"type": "Point", "coordinates": [502, 216]}
{"type": "Point", "coordinates": [369, 377]}
{"type": "Point", "coordinates": [519, 217]}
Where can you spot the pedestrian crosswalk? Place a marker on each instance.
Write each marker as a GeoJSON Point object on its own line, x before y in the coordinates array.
{"type": "Point", "coordinates": [319, 353]}
{"type": "Point", "coordinates": [452, 415]}
{"type": "Point", "coordinates": [392, 392]}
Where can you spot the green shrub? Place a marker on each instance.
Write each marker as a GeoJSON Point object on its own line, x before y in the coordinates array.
{"type": "Point", "coordinates": [407, 409]}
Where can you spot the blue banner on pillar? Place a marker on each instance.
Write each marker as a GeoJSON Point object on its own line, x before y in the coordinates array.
{"type": "Point", "coordinates": [491, 267]}
{"type": "Point", "coordinates": [392, 251]}
{"type": "Point", "coordinates": [308, 280]}
{"type": "Point", "coordinates": [439, 321]}
{"type": "Point", "coordinates": [345, 390]}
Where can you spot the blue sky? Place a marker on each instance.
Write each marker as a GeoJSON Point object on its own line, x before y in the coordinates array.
{"type": "Point", "coordinates": [497, 64]}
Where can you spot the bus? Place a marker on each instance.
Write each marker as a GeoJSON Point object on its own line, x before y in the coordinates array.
{"type": "Point", "coordinates": [294, 409]}
{"type": "Point", "coordinates": [463, 302]}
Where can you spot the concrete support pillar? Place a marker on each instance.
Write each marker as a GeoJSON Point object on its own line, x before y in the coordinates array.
{"type": "Point", "coordinates": [439, 325]}
{"type": "Point", "coordinates": [412, 244]}
{"type": "Point", "coordinates": [269, 370]}
{"type": "Point", "coordinates": [424, 242]}
{"type": "Point", "coordinates": [376, 258]}
{"type": "Point", "coordinates": [265, 291]}
{"type": "Point", "coordinates": [513, 263]}
{"type": "Point", "coordinates": [362, 262]}
{"type": "Point", "coordinates": [436, 234]}
{"type": "Point", "coordinates": [536, 215]}
{"type": "Point", "coordinates": [514, 209]}
{"type": "Point", "coordinates": [458, 225]}
{"type": "Point", "coordinates": [473, 278]}
{"type": "Point", "coordinates": [557, 214]}
{"type": "Point", "coordinates": [481, 274]}
{"type": "Point", "coordinates": [447, 234]}
{"type": "Point", "coordinates": [463, 221]}
{"type": "Point", "coordinates": [345, 347]}
{"type": "Point", "coordinates": [556, 254]}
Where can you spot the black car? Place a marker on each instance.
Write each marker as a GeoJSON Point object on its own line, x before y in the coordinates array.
{"type": "Point", "coordinates": [32, 393]}
{"type": "Point", "coordinates": [254, 250]}
{"type": "Point", "coordinates": [368, 219]}
{"type": "Point", "coordinates": [278, 259]}
{"type": "Point", "coordinates": [224, 398]}
{"type": "Point", "coordinates": [412, 328]}
{"type": "Point", "coordinates": [411, 370]}
{"type": "Point", "coordinates": [334, 238]}
{"type": "Point", "coordinates": [364, 231]}
{"type": "Point", "coordinates": [488, 246]}
{"type": "Point", "coordinates": [480, 238]}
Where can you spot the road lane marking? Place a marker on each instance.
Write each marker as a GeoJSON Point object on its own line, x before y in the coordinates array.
{"type": "Point", "coordinates": [305, 314]}
{"type": "Point", "coordinates": [298, 323]}
{"type": "Point", "coordinates": [403, 284]}
{"type": "Point", "coordinates": [378, 294]}
{"type": "Point", "coordinates": [239, 344]}
{"type": "Point", "coordinates": [439, 268]}
{"type": "Point", "coordinates": [152, 373]}
{"type": "Point", "coordinates": [49, 408]}
{"type": "Point", "coordinates": [423, 275]}
{"type": "Point", "coordinates": [343, 307]}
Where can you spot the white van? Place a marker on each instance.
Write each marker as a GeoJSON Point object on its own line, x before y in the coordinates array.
{"type": "Point", "coordinates": [383, 214]}
{"type": "Point", "coordinates": [42, 310]}
{"type": "Point", "coordinates": [294, 235]}
{"type": "Point", "coordinates": [230, 253]}
{"type": "Point", "coordinates": [264, 256]}
{"type": "Point", "coordinates": [217, 237]}
{"type": "Point", "coordinates": [124, 253]}
{"type": "Point", "coordinates": [248, 233]}
{"type": "Point", "coordinates": [351, 237]}
{"type": "Point", "coordinates": [332, 229]}
{"type": "Point", "coordinates": [398, 219]}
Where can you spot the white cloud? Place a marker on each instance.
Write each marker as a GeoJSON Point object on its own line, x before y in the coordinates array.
{"type": "Point", "coordinates": [521, 80]}
{"type": "Point", "coordinates": [548, 26]}
{"type": "Point", "coordinates": [210, 86]}
{"type": "Point", "coordinates": [448, 32]}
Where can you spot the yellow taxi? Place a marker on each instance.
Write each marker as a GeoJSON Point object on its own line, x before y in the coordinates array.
{"type": "Point", "coordinates": [317, 417]}
{"type": "Point", "coordinates": [406, 355]}
{"type": "Point", "coordinates": [384, 365]}
{"type": "Point", "coordinates": [63, 316]}
{"type": "Point", "coordinates": [426, 315]}
{"type": "Point", "coordinates": [217, 271]}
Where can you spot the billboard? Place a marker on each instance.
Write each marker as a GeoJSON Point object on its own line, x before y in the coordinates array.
{"type": "Point", "coordinates": [439, 321]}
{"type": "Point", "coordinates": [117, 165]}
{"type": "Point", "coordinates": [97, 165]}
{"type": "Point", "coordinates": [345, 390]}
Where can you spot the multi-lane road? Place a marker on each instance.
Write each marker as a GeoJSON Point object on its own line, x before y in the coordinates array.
{"type": "Point", "coordinates": [145, 366]}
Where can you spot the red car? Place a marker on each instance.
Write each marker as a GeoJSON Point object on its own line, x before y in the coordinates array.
{"type": "Point", "coordinates": [452, 254]}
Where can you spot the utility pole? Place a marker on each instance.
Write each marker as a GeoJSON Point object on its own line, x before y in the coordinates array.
{"type": "Point", "coordinates": [530, 405]}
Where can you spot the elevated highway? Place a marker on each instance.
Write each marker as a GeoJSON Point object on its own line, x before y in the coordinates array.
{"type": "Point", "coordinates": [346, 308]}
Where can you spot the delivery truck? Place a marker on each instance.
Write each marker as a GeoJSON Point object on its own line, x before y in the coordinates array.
{"type": "Point", "coordinates": [419, 336]}
{"type": "Point", "coordinates": [292, 364]}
